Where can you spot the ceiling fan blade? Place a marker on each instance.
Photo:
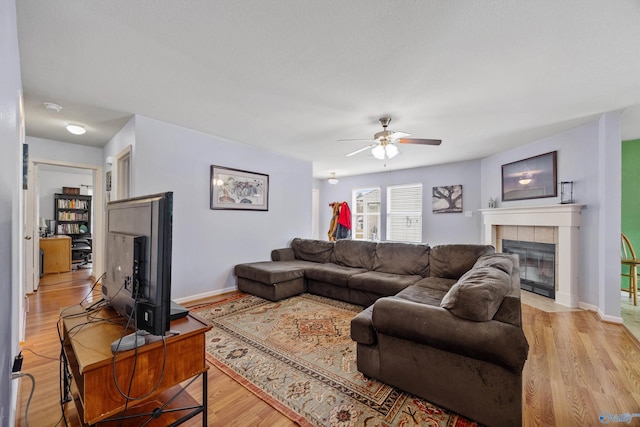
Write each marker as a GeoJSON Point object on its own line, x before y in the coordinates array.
{"type": "Point", "coordinates": [360, 150]}
{"type": "Point", "coordinates": [419, 141]}
{"type": "Point", "coordinates": [398, 135]}
{"type": "Point", "coordinates": [356, 139]}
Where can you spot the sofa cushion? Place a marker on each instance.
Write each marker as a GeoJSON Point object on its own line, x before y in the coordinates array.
{"type": "Point", "coordinates": [270, 272]}
{"type": "Point", "coordinates": [428, 291]}
{"type": "Point", "coordinates": [355, 253]}
{"type": "Point", "coordinates": [312, 250]}
{"type": "Point", "coordinates": [385, 284]}
{"type": "Point", "coordinates": [503, 262]}
{"type": "Point", "coordinates": [334, 274]}
{"type": "Point", "coordinates": [452, 261]}
{"type": "Point", "coordinates": [478, 294]}
{"type": "Point", "coordinates": [402, 258]}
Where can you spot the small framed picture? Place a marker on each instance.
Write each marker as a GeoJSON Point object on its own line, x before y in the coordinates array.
{"type": "Point", "coordinates": [447, 199]}
{"type": "Point", "coordinates": [237, 189]}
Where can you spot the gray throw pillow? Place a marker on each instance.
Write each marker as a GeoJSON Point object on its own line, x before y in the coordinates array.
{"type": "Point", "coordinates": [478, 294]}
{"type": "Point", "coordinates": [502, 262]}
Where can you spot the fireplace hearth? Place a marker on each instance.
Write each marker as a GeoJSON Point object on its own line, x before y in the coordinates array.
{"type": "Point", "coordinates": [537, 265]}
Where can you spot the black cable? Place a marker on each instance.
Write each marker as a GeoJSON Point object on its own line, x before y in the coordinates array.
{"type": "Point", "coordinates": [65, 376]}
{"type": "Point", "coordinates": [39, 355]}
{"type": "Point", "coordinates": [155, 387]}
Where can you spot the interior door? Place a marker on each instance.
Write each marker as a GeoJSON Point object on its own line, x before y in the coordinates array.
{"type": "Point", "coordinates": [31, 247]}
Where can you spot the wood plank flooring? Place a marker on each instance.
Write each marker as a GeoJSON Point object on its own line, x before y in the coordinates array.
{"type": "Point", "coordinates": [578, 368]}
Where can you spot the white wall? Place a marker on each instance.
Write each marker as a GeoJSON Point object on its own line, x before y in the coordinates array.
{"type": "Point", "coordinates": [207, 243]}
{"type": "Point", "coordinates": [51, 182]}
{"type": "Point", "coordinates": [124, 138]}
{"type": "Point", "coordinates": [590, 156]}
{"type": "Point", "coordinates": [49, 149]}
{"type": "Point", "coordinates": [11, 137]}
{"type": "Point", "coordinates": [436, 228]}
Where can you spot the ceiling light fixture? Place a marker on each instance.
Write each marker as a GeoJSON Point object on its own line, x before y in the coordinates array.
{"type": "Point", "coordinates": [76, 129]}
{"type": "Point", "coordinates": [52, 106]}
{"type": "Point", "coordinates": [384, 149]}
{"type": "Point", "coordinates": [525, 179]}
{"type": "Point", "coordinates": [332, 179]}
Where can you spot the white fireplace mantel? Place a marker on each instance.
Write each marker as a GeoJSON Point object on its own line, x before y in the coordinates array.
{"type": "Point", "coordinates": [566, 217]}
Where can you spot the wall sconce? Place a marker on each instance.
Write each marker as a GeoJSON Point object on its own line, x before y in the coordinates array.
{"type": "Point", "coordinates": [566, 192]}
{"type": "Point", "coordinates": [332, 179]}
{"type": "Point", "coordinates": [109, 160]}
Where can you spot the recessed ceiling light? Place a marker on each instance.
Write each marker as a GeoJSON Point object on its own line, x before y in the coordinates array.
{"type": "Point", "coordinates": [76, 129]}
{"type": "Point", "coordinates": [52, 106]}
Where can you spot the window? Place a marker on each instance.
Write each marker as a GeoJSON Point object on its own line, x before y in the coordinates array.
{"type": "Point", "coordinates": [404, 213]}
{"type": "Point", "coordinates": [366, 214]}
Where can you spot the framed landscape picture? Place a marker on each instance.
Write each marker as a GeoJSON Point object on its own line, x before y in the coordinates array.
{"type": "Point", "coordinates": [447, 199]}
{"type": "Point", "coordinates": [531, 178]}
{"type": "Point", "coordinates": [238, 189]}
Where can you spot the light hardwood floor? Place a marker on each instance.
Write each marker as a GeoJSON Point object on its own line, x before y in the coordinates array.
{"type": "Point", "coordinates": [578, 368]}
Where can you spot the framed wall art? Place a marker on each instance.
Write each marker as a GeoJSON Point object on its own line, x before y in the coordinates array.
{"type": "Point", "coordinates": [237, 189]}
{"type": "Point", "coordinates": [532, 178]}
{"type": "Point", "coordinates": [447, 199]}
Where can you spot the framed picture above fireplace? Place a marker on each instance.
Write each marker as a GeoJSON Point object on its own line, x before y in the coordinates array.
{"type": "Point", "coordinates": [532, 178]}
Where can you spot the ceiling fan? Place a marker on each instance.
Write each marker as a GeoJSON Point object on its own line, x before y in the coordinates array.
{"type": "Point", "coordinates": [384, 142]}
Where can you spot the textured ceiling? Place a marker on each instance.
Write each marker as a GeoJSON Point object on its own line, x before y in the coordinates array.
{"type": "Point", "coordinates": [296, 76]}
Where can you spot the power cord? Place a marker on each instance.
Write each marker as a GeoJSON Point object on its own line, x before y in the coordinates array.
{"type": "Point", "coordinates": [16, 375]}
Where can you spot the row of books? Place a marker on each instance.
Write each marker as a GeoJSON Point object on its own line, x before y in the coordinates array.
{"type": "Point", "coordinates": [71, 229]}
{"type": "Point", "coordinates": [73, 216]}
{"type": "Point", "coordinates": [73, 204]}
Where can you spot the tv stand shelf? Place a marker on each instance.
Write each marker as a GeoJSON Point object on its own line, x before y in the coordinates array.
{"type": "Point", "coordinates": [87, 347]}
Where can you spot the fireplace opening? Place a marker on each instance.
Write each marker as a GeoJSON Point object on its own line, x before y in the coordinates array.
{"type": "Point", "coordinates": [537, 265]}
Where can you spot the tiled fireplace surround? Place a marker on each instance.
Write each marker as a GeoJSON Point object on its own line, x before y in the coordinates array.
{"type": "Point", "coordinates": [558, 224]}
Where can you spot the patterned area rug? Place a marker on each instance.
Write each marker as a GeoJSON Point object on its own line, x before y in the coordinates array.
{"type": "Point", "coordinates": [298, 356]}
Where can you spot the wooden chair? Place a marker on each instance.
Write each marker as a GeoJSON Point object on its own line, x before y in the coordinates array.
{"type": "Point", "coordinates": [629, 259]}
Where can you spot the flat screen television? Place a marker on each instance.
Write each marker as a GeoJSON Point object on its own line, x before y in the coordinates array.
{"type": "Point", "coordinates": [137, 283]}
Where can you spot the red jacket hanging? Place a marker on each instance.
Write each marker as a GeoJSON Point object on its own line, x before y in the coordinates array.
{"type": "Point", "coordinates": [344, 218]}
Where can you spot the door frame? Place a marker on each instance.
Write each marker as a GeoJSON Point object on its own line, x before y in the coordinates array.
{"type": "Point", "coordinates": [32, 277]}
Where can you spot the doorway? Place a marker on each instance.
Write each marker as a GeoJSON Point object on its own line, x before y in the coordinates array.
{"type": "Point", "coordinates": [40, 208]}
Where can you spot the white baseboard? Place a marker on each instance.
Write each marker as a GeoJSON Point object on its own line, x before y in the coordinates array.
{"type": "Point", "coordinates": [205, 295]}
{"type": "Point", "coordinates": [610, 319]}
{"type": "Point", "coordinates": [589, 307]}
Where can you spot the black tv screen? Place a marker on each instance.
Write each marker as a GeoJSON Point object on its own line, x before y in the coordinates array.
{"type": "Point", "coordinates": [137, 282]}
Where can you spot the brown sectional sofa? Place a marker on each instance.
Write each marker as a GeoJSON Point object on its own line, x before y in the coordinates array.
{"type": "Point", "coordinates": [443, 322]}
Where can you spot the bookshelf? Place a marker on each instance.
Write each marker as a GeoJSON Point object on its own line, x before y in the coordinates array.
{"type": "Point", "coordinates": [73, 215]}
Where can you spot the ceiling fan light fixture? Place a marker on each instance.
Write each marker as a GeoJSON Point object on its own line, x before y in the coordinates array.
{"type": "Point", "coordinates": [332, 179]}
{"type": "Point", "coordinates": [391, 150]}
{"type": "Point", "coordinates": [378, 152]}
{"type": "Point", "coordinates": [76, 129]}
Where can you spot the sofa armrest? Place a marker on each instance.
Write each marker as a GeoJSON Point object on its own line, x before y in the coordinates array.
{"type": "Point", "coordinates": [492, 341]}
{"type": "Point", "coordinates": [283, 254]}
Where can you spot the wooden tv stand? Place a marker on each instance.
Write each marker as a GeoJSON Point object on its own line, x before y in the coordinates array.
{"type": "Point", "coordinates": [98, 399]}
